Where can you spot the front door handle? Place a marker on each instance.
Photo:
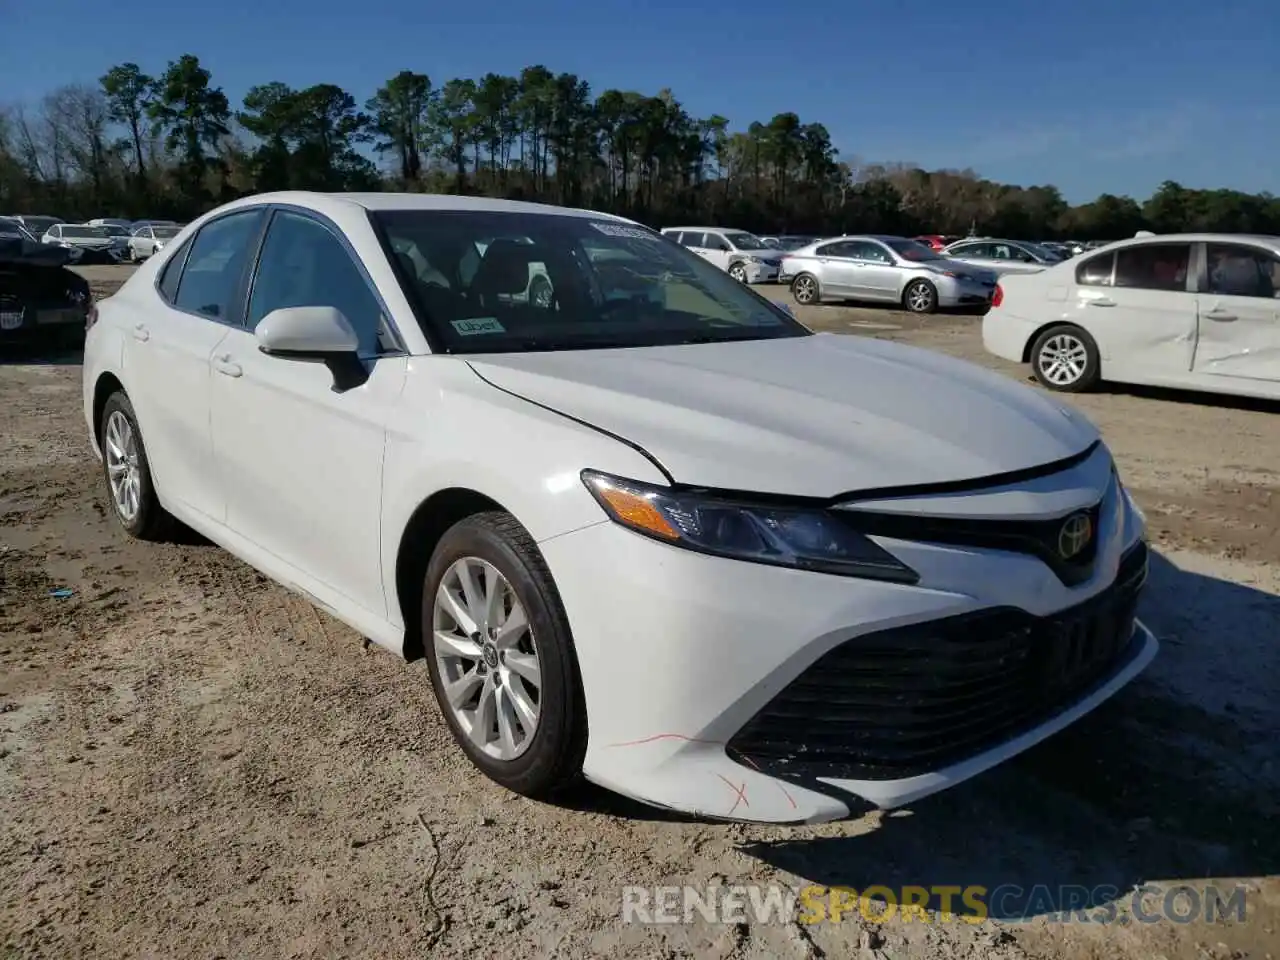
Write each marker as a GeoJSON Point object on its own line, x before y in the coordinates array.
{"type": "Point", "coordinates": [225, 365]}
{"type": "Point", "coordinates": [1101, 302]}
{"type": "Point", "coordinates": [141, 333]}
{"type": "Point", "coordinates": [1220, 315]}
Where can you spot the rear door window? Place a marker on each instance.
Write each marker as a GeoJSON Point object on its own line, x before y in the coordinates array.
{"type": "Point", "coordinates": [215, 267]}
{"type": "Point", "coordinates": [1155, 266]}
{"type": "Point", "coordinates": [1096, 271]}
{"type": "Point", "coordinates": [173, 272]}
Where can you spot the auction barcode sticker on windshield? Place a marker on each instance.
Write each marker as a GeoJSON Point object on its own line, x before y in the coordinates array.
{"type": "Point", "coordinates": [474, 325]}
{"type": "Point", "coordinates": [623, 230]}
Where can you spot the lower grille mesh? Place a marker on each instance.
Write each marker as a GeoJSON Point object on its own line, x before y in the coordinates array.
{"type": "Point", "coordinates": [909, 700]}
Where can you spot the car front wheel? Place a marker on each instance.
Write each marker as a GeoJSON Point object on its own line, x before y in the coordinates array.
{"type": "Point", "coordinates": [501, 658]}
{"type": "Point", "coordinates": [920, 297]}
{"type": "Point", "coordinates": [738, 272]}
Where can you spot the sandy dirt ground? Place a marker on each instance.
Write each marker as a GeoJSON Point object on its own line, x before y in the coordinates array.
{"type": "Point", "coordinates": [195, 763]}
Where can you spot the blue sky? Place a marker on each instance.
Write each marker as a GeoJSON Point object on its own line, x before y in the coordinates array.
{"type": "Point", "coordinates": [1090, 95]}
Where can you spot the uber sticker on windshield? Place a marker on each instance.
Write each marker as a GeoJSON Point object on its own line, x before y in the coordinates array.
{"type": "Point", "coordinates": [622, 230]}
{"type": "Point", "coordinates": [475, 325]}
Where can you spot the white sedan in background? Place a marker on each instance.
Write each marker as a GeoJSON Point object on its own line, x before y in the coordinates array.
{"type": "Point", "coordinates": [652, 530]}
{"type": "Point", "coordinates": [742, 255]}
{"type": "Point", "coordinates": [1192, 311]}
{"type": "Point", "coordinates": [149, 239]}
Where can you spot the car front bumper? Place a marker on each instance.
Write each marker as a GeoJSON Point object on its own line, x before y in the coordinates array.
{"type": "Point", "coordinates": [700, 672]}
{"type": "Point", "coordinates": [965, 294]}
{"type": "Point", "coordinates": [761, 273]}
{"type": "Point", "coordinates": [1007, 336]}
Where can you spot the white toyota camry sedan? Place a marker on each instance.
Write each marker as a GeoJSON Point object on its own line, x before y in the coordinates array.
{"type": "Point", "coordinates": [645, 527]}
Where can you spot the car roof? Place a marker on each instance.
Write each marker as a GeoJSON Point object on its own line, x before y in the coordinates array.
{"type": "Point", "coordinates": [881, 237]}
{"type": "Point", "coordinates": [330, 203]}
{"type": "Point", "coordinates": [1258, 239]}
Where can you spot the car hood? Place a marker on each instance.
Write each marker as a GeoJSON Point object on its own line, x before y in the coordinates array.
{"type": "Point", "coordinates": [813, 416]}
{"type": "Point", "coordinates": [961, 267]}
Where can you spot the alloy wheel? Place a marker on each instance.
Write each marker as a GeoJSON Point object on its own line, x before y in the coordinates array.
{"type": "Point", "coordinates": [1063, 359]}
{"type": "Point", "coordinates": [805, 290]}
{"type": "Point", "coordinates": [919, 298]}
{"type": "Point", "coordinates": [738, 272]}
{"type": "Point", "coordinates": [124, 470]}
{"type": "Point", "coordinates": [487, 658]}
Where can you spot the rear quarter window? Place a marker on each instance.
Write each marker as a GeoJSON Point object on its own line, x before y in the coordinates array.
{"type": "Point", "coordinates": [171, 273]}
{"type": "Point", "coordinates": [1096, 271]}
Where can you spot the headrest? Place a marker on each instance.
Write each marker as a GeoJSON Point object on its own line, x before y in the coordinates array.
{"type": "Point", "coordinates": [504, 269]}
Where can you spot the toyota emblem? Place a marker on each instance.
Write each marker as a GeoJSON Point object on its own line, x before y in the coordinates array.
{"type": "Point", "coordinates": [1074, 535]}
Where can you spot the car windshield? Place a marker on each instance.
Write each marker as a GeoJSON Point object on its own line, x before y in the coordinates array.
{"type": "Point", "coordinates": [1043, 252]}
{"type": "Point", "coordinates": [558, 282]}
{"type": "Point", "coordinates": [113, 230]}
{"type": "Point", "coordinates": [912, 250]}
{"type": "Point", "coordinates": [166, 233]}
{"type": "Point", "coordinates": [745, 241]}
{"type": "Point", "coordinates": [40, 225]}
{"type": "Point", "coordinates": [83, 233]}
{"type": "Point", "coordinates": [12, 228]}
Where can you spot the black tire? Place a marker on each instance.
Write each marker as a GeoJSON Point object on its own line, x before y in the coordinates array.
{"type": "Point", "coordinates": [738, 271]}
{"type": "Point", "coordinates": [1058, 339]}
{"type": "Point", "coordinates": [806, 290]}
{"type": "Point", "coordinates": [920, 296]}
{"type": "Point", "coordinates": [152, 521]}
{"type": "Point", "coordinates": [553, 759]}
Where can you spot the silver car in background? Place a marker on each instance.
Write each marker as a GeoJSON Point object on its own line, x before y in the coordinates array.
{"type": "Point", "coordinates": [1003, 256]}
{"type": "Point", "coordinates": [887, 270]}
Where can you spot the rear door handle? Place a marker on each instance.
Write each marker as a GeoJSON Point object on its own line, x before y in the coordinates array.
{"type": "Point", "coordinates": [1101, 302]}
{"type": "Point", "coordinates": [225, 365]}
{"type": "Point", "coordinates": [141, 333]}
{"type": "Point", "coordinates": [1220, 315]}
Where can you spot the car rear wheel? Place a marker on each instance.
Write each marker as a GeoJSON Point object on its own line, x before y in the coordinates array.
{"type": "Point", "coordinates": [804, 289]}
{"type": "Point", "coordinates": [1065, 358]}
{"type": "Point", "coordinates": [128, 474]}
{"type": "Point", "coordinates": [920, 297]}
{"type": "Point", "coordinates": [501, 658]}
{"type": "Point", "coordinates": [739, 272]}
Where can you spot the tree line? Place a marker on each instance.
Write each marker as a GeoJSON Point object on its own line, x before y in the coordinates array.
{"type": "Point", "coordinates": [171, 145]}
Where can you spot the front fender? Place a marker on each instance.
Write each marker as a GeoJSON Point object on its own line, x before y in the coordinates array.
{"type": "Point", "coordinates": [454, 430]}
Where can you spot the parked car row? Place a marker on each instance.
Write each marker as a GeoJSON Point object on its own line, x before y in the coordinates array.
{"type": "Point", "coordinates": [101, 240]}
{"type": "Point", "coordinates": [922, 273]}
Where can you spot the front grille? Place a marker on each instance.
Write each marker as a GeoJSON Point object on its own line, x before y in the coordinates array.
{"type": "Point", "coordinates": [910, 700]}
{"type": "Point", "coordinates": [1039, 538]}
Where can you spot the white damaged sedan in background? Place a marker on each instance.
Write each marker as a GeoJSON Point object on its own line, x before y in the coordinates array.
{"type": "Point", "coordinates": [646, 528]}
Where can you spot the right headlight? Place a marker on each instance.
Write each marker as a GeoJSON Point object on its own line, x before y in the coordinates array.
{"type": "Point", "coordinates": [804, 538]}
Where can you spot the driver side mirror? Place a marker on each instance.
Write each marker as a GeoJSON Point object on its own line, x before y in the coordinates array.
{"type": "Point", "coordinates": [318, 334]}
